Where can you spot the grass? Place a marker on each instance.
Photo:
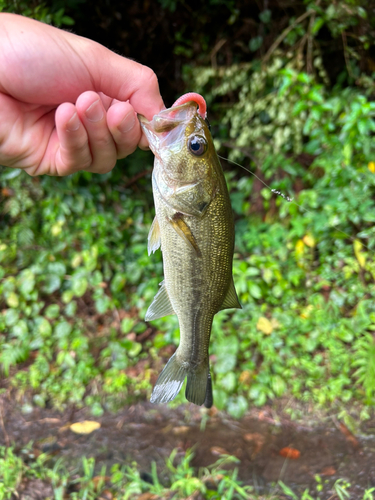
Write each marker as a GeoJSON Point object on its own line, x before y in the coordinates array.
{"type": "Point", "coordinates": [180, 480]}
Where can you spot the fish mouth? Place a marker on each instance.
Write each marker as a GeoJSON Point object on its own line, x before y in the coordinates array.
{"type": "Point", "coordinates": [169, 118]}
{"type": "Point", "coordinates": [167, 128]}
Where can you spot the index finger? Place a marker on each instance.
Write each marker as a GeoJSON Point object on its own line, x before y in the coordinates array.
{"type": "Point", "coordinates": [124, 79]}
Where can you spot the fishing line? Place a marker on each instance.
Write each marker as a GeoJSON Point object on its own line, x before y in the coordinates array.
{"type": "Point", "coordinates": [288, 198]}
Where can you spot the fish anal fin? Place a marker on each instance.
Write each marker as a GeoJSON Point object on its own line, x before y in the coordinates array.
{"type": "Point", "coordinates": [153, 237]}
{"type": "Point", "coordinates": [183, 230]}
{"type": "Point", "coordinates": [231, 299]}
{"type": "Point", "coordinates": [161, 305]}
{"type": "Point", "coordinates": [169, 383]}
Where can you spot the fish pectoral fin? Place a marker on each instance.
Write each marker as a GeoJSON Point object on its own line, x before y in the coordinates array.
{"type": "Point", "coordinates": [154, 237]}
{"type": "Point", "coordinates": [183, 230]}
{"type": "Point", "coordinates": [231, 299]}
{"type": "Point", "coordinates": [169, 383]}
{"type": "Point", "coordinates": [161, 305]}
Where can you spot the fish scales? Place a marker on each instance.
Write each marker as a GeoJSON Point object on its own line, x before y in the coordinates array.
{"type": "Point", "coordinates": [193, 281]}
{"type": "Point", "coordinates": [194, 227]}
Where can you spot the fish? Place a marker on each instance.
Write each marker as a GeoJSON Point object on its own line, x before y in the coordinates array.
{"type": "Point", "coordinates": [194, 227]}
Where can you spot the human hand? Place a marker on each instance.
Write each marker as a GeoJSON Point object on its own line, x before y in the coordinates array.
{"type": "Point", "coordinates": [67, 103]}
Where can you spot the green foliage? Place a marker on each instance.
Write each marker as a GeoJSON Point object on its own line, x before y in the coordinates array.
{"type": "Point", "coordinates": [76, 280]}
{"type": "Point", "coordinates": [218, 481]}
{"type": "Point", "coordinates": [215, 481]}
{"type": "Point", "coordinates": [321, 243]}
{"type": "Point", "coordinates": [52, 13]}
{"type": "Point", "coordinates": [305, 274]}
{"type": "Point", "coordinates": [73, 266]}
{"type": "Point", "coordinates": [11, 468]}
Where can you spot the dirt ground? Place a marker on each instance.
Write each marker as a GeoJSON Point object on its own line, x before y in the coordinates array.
{"type": "Point", "coordinates": [269, 444]}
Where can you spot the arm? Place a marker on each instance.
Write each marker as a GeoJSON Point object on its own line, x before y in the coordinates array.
{"type": "Point", "coordinates": [68, 103]}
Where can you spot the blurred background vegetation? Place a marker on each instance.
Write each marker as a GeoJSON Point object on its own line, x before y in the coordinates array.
{"type": "Point", "coordinates": [290, 93]}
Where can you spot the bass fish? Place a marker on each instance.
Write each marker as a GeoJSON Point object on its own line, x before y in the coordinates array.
{"type": "Point", "coordinates": [195, 229]}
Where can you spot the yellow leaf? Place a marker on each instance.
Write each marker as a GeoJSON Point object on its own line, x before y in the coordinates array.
{"type": "Point", "coordinates": [361, 257]}
{"type": "Point", "coordinates": [245, 377]}
{"type": "Point", "coordinates": [264, 325]}
{"type": "Point", "coordinates": [306, 312]}
{"type": "Point", "coordinates": [85, 427]}
{"type": "Point", "coordinates": [371, 166]}
{"type": "Point", "coordinates": [309, 240]}
{"type": "Point", "coordinates": [300, 246]}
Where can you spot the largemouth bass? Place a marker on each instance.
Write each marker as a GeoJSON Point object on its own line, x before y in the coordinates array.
{"type": "Point", "coordinates": [195, 229]}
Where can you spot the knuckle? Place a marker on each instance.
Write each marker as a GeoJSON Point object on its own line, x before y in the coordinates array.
{"type": "Point", "coordinates": [127, 151]}
{"type": "Point", "coordinates": [102, 142]}
{"type": "Point", "coordinates": [78, 144]}
{"type": "Point", "coordinates": [76, 159]}
{"type": "Point", "coordinates": [149, 76]}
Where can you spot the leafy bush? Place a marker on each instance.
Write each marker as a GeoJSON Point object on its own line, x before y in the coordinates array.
{"type": "Point", "coordinates": [75, 277]}
{"type": "Point", "coordinates": [50, 14]}
{"type": "Point", "coordinates": [288, 337]}
{"type": "Point", "coordinates": [65, 257]}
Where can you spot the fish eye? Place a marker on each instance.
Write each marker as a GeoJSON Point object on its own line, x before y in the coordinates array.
{"type": "Point", "coordinates": [197, 145]}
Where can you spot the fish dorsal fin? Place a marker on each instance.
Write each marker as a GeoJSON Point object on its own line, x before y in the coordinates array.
{"type": "Point", "coordinates": [161, 305]}
{"type": "Point", "coordinates": [183, 230]}
{"type": "Point", "coordinates": [153, 237]}
{"type": "Point", "coordinates": [231, 299]}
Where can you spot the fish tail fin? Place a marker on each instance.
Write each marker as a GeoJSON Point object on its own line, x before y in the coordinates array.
{"type": "Point", "coordinates": [169, 383]}
{"type": "Point", "coordinates": [209, 399]}
{"type": "Point", "coordinates": [196, 386]}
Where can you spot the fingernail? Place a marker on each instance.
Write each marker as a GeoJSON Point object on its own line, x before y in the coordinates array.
{"type": "Point", "coordinates": [73, 124]}
{"type": "Point", "coordinates": [94, 113]}
{"type": "Point", "coordinates": [127, 123]}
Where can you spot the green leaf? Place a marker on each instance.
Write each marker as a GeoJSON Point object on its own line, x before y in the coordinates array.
{"type": "Point", "coordinates": [67, 20]}
{"type": "Point", "coordinates": [318, 23]}
{"type": "Point", "coordinates": [225, 363]}
{"type": "Point", "coordinates": [255, 291]}
{"type": "Point", "coordinates": [135, 349]}
{"type": "Point", "coordinates": [236, 407]}
{"type": "Point", "coordinates": [255, 43]}
{"type": "Point", "coordinates": [11, 173]}
{"type": "Point", "coordinates": [118, 282]}
{"type": "Point", "coordinates": [278, 385]}
{"type": "Point", "coordinates": [229, 382]}
{"type": "Point", "coordinates": [20, 329]}
{"type": "Point", "coordinates": [52, 282]}
{"type": "Point", "coordinates": [71, 308]}
{"type": "Point", "coordinates": [57, 268]}
{"type": "Point", "coordinates": [265, 16]}
{"type": "Point", "coordinates": [12, 300]}
{"type": "Point", "coordinates": [52, 311]}
{"type": "Point", "coordinates": [11, 317]}
{"type": "Point", "coordinates": [63, 329]}
{"type": "Point", "coordinates": [220, 398]}
{"type": "Point", "coordinates": [79, 286]}
{"type": "Point", "coordinates": [363, 126]}
{"type": "Point", "coordinates": [102, 304]}
{"type": "Point", "coordinates": [127, 325]}
{"type": "Point", "coordinates": [26, 282]}
{"type": "Point", "coordinates": [287, 491]}
{"type": "Point", "coordinates": [67, 296]}
{"type": "Point", "coordinates": [42, 326]}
